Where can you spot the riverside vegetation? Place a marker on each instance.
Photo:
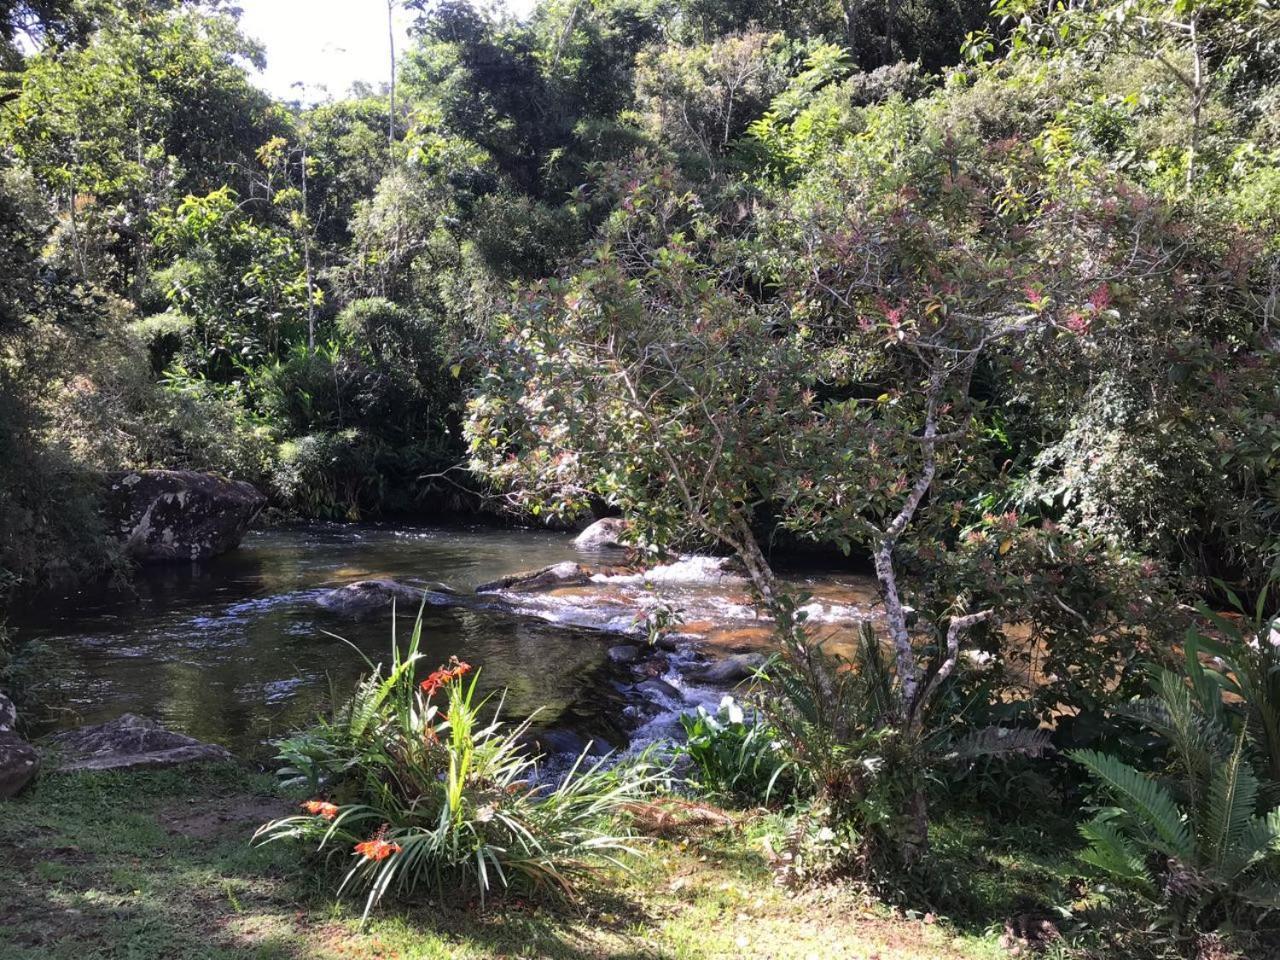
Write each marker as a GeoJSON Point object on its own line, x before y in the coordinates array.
{"type": "Point", "coordinates": [983, 301]}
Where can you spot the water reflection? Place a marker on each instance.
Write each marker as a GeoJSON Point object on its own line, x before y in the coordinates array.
{"type": "Point", "coordinates": [236, 651]}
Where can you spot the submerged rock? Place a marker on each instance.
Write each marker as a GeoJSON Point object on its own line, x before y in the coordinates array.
{"type": "Point", "coordinates": [566, 574]}
{"type": "Point", "coordinates": [166, 515]}
{"type": "Point", "coordinates": [729, 671]}
{"type": "Point", "coordinates": [369, 596]}
{"type": "Point", "coordinates": [18, 759]}
{"type": "Point", "coordinates": [559, 741]}
{"type": "Point", "coordinates": [624, 653]}
{"type": "Point", "coordinates": [602, 534]}
{"type": "Point", "coordinates": [659, 688]}
{"type": "Point", "coordinates": [129, 742]}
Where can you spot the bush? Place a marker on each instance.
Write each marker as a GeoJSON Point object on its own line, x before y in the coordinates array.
{"type": "Point", "coordinates": [737, 754]}
{"type": "Point", "coordinates": [1195, 842]}
{"type": "Point", "coordinates": [1249, 653]}
{"type": "Point", "coordinates": [423, 796]}
{"type": "Point", "coordinates": [862, 769]}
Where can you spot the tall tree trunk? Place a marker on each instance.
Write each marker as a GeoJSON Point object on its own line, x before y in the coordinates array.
{"type": "Point", "coordinates": [391, 106]}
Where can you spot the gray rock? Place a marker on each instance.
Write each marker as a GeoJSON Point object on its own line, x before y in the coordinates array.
{"type": "Point", "coordinates": [659, 688]}
{"type": "Point", "coordinates": [729, 671]}
{"type": "Point", "coordinates": [166, 515]}
{"type": "Point", "coordinates": [8, 714]}
{"type": "Point", "coordinates": [370, 596]}
{"type": "Point", "coordinates": [18, 764]}
{"type": "Point", "coordinates": [602, 534]}
{"type": "Point", "coordinates": [129, 742]}
{"type": "Point", "coordinates": [566, 574]}
{"type": "Point", "coordinates": [624, 653]}
{"type": "Point", "coordinates": [559, 741]}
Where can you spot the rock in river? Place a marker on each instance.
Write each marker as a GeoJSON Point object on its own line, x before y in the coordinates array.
{"type": "Point", "coordinates": [624, 653]}
{"type": "Point", "coordinates": [603, 533]}
{"type": "Point", "coordinates": [163, 515]}
{"type": "Point", "coordinates": [566, 574]}
{"type": "Point", "coordinates": [369, 596]}
{"type": "Point", "coordinates": [729, 671]}
{"type": "Point", "coordinates": [129, 742]}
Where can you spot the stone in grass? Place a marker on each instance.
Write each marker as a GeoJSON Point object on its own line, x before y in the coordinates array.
{"type": "Point", "coordinates": [19, 761]}
{"type": "Point", "coordinates": [129, 742]}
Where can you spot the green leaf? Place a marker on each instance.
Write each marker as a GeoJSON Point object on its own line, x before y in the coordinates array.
{"type": "Point", "coordinates": [1146, 799]}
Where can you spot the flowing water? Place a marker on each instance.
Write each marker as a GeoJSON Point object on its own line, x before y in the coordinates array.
{"type": "Point", "coordinates": [237, 651]}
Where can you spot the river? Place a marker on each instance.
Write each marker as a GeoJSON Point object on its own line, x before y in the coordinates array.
{"type": "Point", "coordinates": [237, 651]}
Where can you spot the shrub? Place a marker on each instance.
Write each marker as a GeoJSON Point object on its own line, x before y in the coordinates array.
{"type": "Point", "coordinates": [737, 754]}
{"type": "Point", "coordinates": [421, 796]}
{"type": "Point", "coordinates": [865, 771]}
{"type": "Point", "coordinates": [1249, 652]}
{"type": "Point", "coordinates": [1190, 841]}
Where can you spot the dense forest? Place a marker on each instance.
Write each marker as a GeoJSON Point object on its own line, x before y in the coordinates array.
{"type": "Point", "coordinates": [984, 299]}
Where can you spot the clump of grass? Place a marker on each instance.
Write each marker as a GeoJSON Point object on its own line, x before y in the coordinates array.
{"type": "Point", "coordinates": [417, 795]}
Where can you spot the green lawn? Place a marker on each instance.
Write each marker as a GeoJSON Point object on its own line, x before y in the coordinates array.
{"type": "Point", "coordinates": [158, 866]}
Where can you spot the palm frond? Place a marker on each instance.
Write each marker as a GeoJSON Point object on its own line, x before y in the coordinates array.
{"type": "Point", "coordinates": [1001, 742]}
{"type": "Point", "coordinates": [1233, 795]}
{"type": "Point", "coordinates": [1115, 854]}
{"type": "Point", "coordinates": [1148, 800]}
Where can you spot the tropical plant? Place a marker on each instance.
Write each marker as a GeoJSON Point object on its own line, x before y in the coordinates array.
{"type": "Point", "coordinates": [1190, 841]}
{"type": "Point", "coordinates": [864, 769]}
{"type": "Point", "coordinates": [1248, 649]}
{"type": "Point", "coordinates": [737, 754]}
{"type": "Point", "coordinates": [424, 796]}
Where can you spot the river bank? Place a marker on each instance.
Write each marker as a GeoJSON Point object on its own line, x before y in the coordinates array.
{"type": "Point", "coordinates": [159, 865]}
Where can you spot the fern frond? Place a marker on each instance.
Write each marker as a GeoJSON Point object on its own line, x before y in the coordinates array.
{"type": "Point", "coordinates": [1149, 801]}
{"type": "Point", "coordinates": [1115, 854]}
{"type": "Point", "coordinates": [1232, 797]}
{"type": "Point", "coordinates": [1000, 742]}
{"type": "Point", "coordinates": [1259, 840]}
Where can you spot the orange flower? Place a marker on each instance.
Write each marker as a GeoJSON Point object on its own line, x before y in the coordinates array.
{"type": "Point", "coordinates": [435, 681]}
{"type": "Point", "coordinates": [444, 675]}
{"type": "Point", "coordinates": [320, 808]}
{"type": "Point", "coordinates": [377, 849]}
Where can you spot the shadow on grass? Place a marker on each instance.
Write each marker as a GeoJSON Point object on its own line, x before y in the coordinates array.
{"type": "Point", "coordinates": [158, 866]}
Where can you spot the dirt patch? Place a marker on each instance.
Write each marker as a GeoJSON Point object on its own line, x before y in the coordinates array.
{"type": "Point", "coordinates": [209, 819]}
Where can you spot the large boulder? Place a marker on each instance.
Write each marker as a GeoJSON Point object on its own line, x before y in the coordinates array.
{"type": "Point", "coordinates": [602, 534]}
{"type": "Point", "coordinates": [371, 596]}
{"type": "Point", "coordinates": [165, 515]}
{"type": "Point", "coordinates": [566, 574]}
{"type": "Point", "coordinates": [129, 742]}
{"type": "Point", "coordinates": [18, 759]}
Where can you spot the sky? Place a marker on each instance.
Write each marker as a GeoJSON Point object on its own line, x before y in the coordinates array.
{"type": "Point", "coordinates": [318, 48]}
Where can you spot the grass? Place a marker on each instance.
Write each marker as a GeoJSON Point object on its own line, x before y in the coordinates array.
{"type": "Point", "coordinates": [156, 865]}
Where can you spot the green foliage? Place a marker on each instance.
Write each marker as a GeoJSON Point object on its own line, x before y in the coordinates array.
{"type": "Point", "coordinates": [447, 800]}
{"type": "Point", "coordinates": [863, 769]}
{"type": "Point", "coordinates": [1198, 844]}
{"type": "Point", "coordinates": [241, 283]}
{"type": "Point", "coordinates": [1248, 654]}
{"type": "Point", "coordinates": [736, 755]}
